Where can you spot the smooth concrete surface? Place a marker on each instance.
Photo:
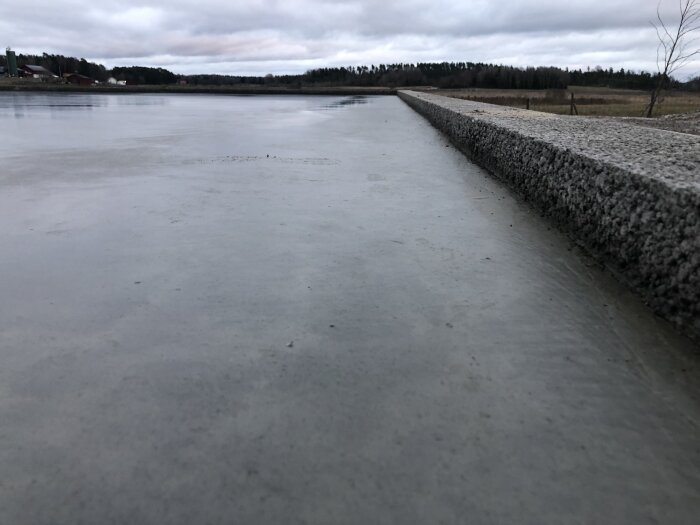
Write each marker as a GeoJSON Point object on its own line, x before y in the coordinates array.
{"type": "Point", "coordinates": [361, 327]}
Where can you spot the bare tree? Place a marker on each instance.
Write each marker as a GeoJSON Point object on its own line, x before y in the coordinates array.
{"type": "Point", "coordinates": [676, 45]}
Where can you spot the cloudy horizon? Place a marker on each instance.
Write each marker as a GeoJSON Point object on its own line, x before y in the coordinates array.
{"type": "Point", "coordinates": [271, 36]}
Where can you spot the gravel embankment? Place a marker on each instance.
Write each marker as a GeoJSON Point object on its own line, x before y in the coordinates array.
{"type": "Point", "coordinates": [629, 194]}
{"type": "Point", "coordinates": [682, 123]}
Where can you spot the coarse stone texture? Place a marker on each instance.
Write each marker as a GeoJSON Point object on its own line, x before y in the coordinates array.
{"type": "Point", "coordinates": [681, 123]}
{"type": "Point", "coordinates": [630, 195]}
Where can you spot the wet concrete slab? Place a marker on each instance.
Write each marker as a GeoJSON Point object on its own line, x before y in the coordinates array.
{"type": "Point", "coordinates": [312, 310]}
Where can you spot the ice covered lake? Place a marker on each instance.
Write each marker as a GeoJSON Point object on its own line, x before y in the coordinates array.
{"type": "Point", "coordinates": [222, 309]}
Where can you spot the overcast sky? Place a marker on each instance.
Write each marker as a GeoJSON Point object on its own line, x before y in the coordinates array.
{"type": "Point", "coordinates": [276, 36]}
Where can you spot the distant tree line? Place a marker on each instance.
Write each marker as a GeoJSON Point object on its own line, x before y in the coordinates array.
{"type": "Point", "coordinates": [621, 79]}
{"type": "Point", "coordinates": [444, 75]}
{"type": "Point", "coordinates": [448, 75]}
{"type": "Point", "coordinates": [59, 65]}
{"type": "Point", "coordinates": [693, 84]}
{"type": "Point", "coordinates": [438, 74]}
{"type": "Point", "coordinates": [144, 75]}
{"type": "Point", "coordinates": [291, 81]}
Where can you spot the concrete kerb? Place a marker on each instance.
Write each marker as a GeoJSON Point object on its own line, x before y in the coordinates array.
{"type": "Point", "coordinates": [629, 195]}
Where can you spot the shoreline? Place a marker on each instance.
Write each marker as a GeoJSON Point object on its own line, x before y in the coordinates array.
{"type": "Point", "coordinates": [211, 90]}
{"type": "Point", "coordinates": [610, 185]}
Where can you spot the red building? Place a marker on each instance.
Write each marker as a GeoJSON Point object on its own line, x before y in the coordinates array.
{"type": "Point", "coordinates": [81, 80]}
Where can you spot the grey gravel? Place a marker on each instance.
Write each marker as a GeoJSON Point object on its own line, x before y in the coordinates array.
{"type": "Point", "coordinates": [680, 123]}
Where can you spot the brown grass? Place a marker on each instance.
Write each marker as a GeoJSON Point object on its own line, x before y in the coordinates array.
{"type": "Point", "coordinates": [589, 101]}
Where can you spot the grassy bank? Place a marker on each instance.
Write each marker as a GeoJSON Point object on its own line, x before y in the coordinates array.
{"type": "Point", "coordinates": [589, 100]}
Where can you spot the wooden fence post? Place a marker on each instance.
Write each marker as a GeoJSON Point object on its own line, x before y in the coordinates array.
{"type": "Point", "coordinates": [573, 109]}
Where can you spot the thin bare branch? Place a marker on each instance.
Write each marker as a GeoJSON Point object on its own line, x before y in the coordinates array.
{"type": "Point", "coordinates": [689, 56]}
{"type": "Point", "coordinates": [675, 45]}
{"type": "Point", "coordinates": [661, 22]}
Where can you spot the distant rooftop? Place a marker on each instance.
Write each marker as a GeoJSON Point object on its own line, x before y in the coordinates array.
{"type": "Point", "coordinates": [38, 70]}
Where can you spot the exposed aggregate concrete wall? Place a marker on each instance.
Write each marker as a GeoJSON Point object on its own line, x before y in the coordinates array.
{"type": "Point", "coordinates": [630, 195]}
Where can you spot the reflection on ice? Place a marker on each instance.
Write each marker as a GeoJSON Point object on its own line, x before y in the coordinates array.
{"type": "Point", "coordinates": [346, 101]}
{"type": "Point", "coordinates": [31, 103]}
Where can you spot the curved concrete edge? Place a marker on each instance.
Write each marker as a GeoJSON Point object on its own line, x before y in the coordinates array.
{"type": "Point", "coordinates": [630, 196]}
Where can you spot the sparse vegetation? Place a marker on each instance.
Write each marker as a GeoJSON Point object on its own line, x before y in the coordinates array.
{"type": "Point", "coordinates": [675, 47]}
{"type": "Point", "coordinates": [592, 101]}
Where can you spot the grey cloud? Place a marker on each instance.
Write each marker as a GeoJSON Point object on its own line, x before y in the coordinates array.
{"type": "Point", "coordinates": [288, 36]}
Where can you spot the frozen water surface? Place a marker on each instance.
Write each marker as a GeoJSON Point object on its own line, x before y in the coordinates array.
{"type": "Point", "coordinates": [311, 310]}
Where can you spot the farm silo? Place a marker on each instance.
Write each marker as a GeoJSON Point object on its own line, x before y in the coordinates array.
{"type": "Point", "coordinates": [11, 62]}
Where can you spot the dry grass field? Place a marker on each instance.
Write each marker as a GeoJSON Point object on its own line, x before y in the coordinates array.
{"type": "Point", "coordinates": [589, 101]}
